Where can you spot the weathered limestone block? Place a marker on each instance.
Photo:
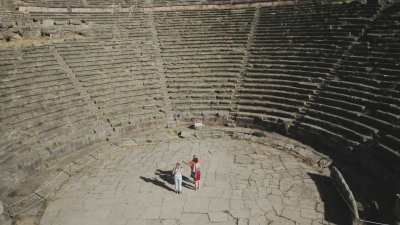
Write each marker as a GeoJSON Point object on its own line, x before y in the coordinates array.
{"type": "Point", "coordinates": [243, 221]}
{"type": "Point", "coordinates": [243, 159]}
{"type": "Point", "coordinates": [75, 22]}
{"type": "Point", "coordinates": [241, 136]}
{"type": "Point", "coordinates": [4, 25]}
{"type": "Point", "coordinates": [28, 32]}
{"type": "Point", "coordinates": [49, 31]}
{"type": "Point", "coordinates": [230, 124]}
{"type": "Point", "coordinates": [48, 23]}
{"type": "Point", "coordinates": [216, 217]}
{"type": "Point", "coordinates": [3, 219]}
{"type": "Point", "coordinates": [184, 134]}
{"type": "Point", "coordinates": [61, 22]}
{"type": "Point", "coordinates": [258, 134]}
{"type": "Point", "coordinates": [83, 30]}
{"type": "Point", "coordinates": [10, 36]}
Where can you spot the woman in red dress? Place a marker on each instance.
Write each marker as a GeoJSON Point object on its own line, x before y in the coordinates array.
{"type": "Point", "coordinates": [197, 173]}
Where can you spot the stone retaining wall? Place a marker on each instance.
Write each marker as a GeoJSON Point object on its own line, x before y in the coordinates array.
{"type": "Point", "coordinates": [344, 190]}
{"type": "Point", "coordinates": [27, 9]}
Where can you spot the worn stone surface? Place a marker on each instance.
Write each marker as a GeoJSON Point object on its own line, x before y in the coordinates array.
{"type": "Point", "coordinates": [184, 134]}
{"type": "Point", "coordinates": [48, 23]}
{"type": "Point", "coordinates": [216, 217]}
{"type": "Point", "coordinates": [75, 21]}
{"type": "Point", "coordinates": [133, 187]}
{"type": "Point", "coordinates": [5, 221]}
{"type": "Point", "coordinates": [28, 30]}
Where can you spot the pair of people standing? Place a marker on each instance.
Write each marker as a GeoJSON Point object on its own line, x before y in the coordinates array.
{"type": "Point", "coordinates": [194, 165]}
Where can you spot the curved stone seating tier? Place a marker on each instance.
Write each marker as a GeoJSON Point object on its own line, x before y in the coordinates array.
{"type": "Point", "coordinates": [53, 3]}
{"type": "Point", "coordinates": [42, 115]}
{"type": "Point", "coordinates": [11, 17]}
{"type": "Point", "coordinates": [119, 3]}
{"type": "Point", "coordinates": [360, 104]}
{"type": "Point", "coordinates": [367, 76]}
{"type": "Point", "coordinates": [387, 150]}
{"type": "Point", "coordinates": [389, 113]}
{"type": "Point", "coordinates": [122, 18]}
{"type": "Point", "coordinates": [117, 71]}
{"type": "Point", "coordinates": [282, 56]}
{"type": "Point", "coordinates": [304, 70]}
{"type": "Point", "coordinates": [84, 3]}
{"type": "Point", "coordinates": [201, 106]}
{"type": "Point", "coordinates": [342, 117]}
{"type": "Point", "coordinates": [119, 77]}
{"type": "Point", "coordinates": [359, 108]}
{"type": "Point", "coordinates": [287, 102]}
{"type": "Point", "coordinates": [187, 2]}
{"type": "Point", "coordinates": [104, 25]}
{"type": "Point", "coordinates": [161, 3]}
{"type": "Point", "coordinates": [393, 142]}
{"type": "Point", "coordinates": [311, 132]}
{"type": "Point", "coordinates": [202, 53]}
{"type": "Point", "coordinates": [348, 128]}
{"type": "Point", "coordinates": [294, 50]}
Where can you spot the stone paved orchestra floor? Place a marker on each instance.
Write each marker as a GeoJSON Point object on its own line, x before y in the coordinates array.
{"type": "Point", "coordinates": [243, 183]}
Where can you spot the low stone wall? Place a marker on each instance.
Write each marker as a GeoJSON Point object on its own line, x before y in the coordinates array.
{"type": "Point", "coordinates": [346, 193]}
{"type": "Point", "coordinates": [30, 31]}
{"type": "Point", "coordinates": [220, 6]}
{"type": "Point", "coordinates": [303, 152]}
{"type": "Point", "coordinates": [27, 9]}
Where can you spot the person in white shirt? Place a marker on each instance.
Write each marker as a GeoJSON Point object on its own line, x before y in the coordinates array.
{"type": "Point", "coordinates": [177, 172]}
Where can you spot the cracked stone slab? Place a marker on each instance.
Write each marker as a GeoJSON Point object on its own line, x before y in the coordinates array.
{"type": "Point", "coordinates": [243, 159]}
{"type": "Point", "coordinates": [310, 214]}
{"type": "Point", "coordinates": [171, 209]}
{"type": "Point", "coordinates": [219, 204]}
{"type": "Point", "coordinates": [218, 217]}
{"type": "Point", "coordinates": [196, 205]}
{"type": "Point", "coordinates": [243, 221]}
{"type": "Point", "coordinates": [169, 222]}
{"type": "Point", "coordinates": [194, 218]}
{"type": "Point", "coordinates": [152, 213]}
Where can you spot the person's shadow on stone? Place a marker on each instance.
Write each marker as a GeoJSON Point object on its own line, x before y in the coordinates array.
{"type": "Point", "coordinates": [157, 182]}
{"type": "Point", "coordinates": [186, 179]}
{"type": "Point", "coordinates": [165, 175]}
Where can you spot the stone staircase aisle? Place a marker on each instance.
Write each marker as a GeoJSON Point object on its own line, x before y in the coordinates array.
{"type": "Point", "coordinates": [103, 128]}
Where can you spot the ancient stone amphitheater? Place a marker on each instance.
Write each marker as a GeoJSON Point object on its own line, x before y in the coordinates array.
{"type": "Point", "coordinates": [299, 102]}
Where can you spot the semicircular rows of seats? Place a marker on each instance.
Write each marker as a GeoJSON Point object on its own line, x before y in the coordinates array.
{"type": "Point", "coordinates": [118, 69]}
{"type": "Point", "coordinates": [81, 3]}
{"type": "Point", "coordinates": [320, 70]}
{"type": "Point", "coordinates": [294, 52]}
{"type": "Point", "coordinates": [368, 79]}
{"type": "Point", "coordinates": [132, 3]}
{"type": "Point", "coordinates": [328, 77]}
{"type": "Point", "coordinates": [203, 53]}
{"type": "Point", "coordinates": [46, 115]}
